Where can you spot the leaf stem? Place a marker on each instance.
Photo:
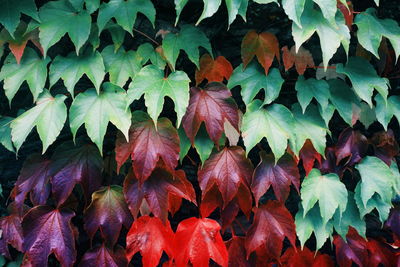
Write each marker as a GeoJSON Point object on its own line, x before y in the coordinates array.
{"type": "Point", "coordinates": [145, 35]}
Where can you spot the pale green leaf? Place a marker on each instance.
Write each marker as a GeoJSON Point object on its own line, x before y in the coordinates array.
{"type": "Point", "coordinates": [10, 13]}
{"type": "Point", "coordinates": [238, 7]}
{"type": "Point", "coordinates": [385, 110]}
{"type": "Point", "coordinates": [294, 9]}
{"type": "Point", "coordinates": [210, 7]}
{"type": "Point", "coordinates": [312, 88]}
{"type": "Point", "coordinates": [179, 5]}
{"type": "Point", "coordinates": [5, 133]}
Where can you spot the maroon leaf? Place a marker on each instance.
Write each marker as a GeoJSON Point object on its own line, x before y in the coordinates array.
{"type": "Point", "coordinates": [329, 165]}
{"type": "Point", "coordinates": [351, 145]}
{"type": "Point", "coordinates": [11, 234]}
{"type": "Point", "coordinates": [354, 249]}
{"type": "Point", "coordinates": [272, 222]}
{"type": "Point", "coordinates": [309, 156]}
{"type": "Point", "coordinates": [394, 221]}
{"type": "Point", "coordinates": [46, 231]}
{"type": "Point", "coordinates": [151, 237]}
{"type": "Point", "coordinates": [34, 178]}
{"type": "Point", "coordinates": [157, 191]}
{"type": "Point", "coordinates": [107, 212]}
{"type": "Point", "coordinates": [227, 169]}
{"type": "Point", "coordinates": [73, 164]}
{"type": "Point", "coordinates": [380, 254]}
{"type": "Point", "coordinates": [212, 105]}
{"type": "Point", "coordinates": [237, 252]}
{"type": "Point", "coordinates": [103, 256]}
{"type": "Point", "coordinates": [148, 144]}
{"type": "Point", "coordinates": [385, 146]}
{"type": "Point", "coordinates": [305, 258]}
{"type": "Point", "coordinates": [279, 175]}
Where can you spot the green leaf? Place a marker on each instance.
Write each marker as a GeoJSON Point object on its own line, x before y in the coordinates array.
{"type": "Point", "coordinates": [151, 82]}
{"type": "Point", "coordinates": [60, 17]}
{"type": "Point", "coordinates": [31, 69]}
{"type": "Point", "coordinates": [92, 5]}
{"type": "Point", "coordinates": [49, 116]}
{"type": "Point", "coordinates": [276, 123]}
{"type": "Point", "coordinates": [125, 12]}
{"type": "Point", "coordinates": [97, 110]}
{"type": "Point", "coordinates": [328, 8]}
{"type": "Point", "coordinates": [327, 113]}
{"type": "Point", "coordinates": [252, 79]}
{"type": "Point", "coordinates": [312, 88]}
{"type": "Point", "coordinates": [364, 78]}
{"type": "Point", "coordinates": [385, 110]}
{"type": "Point", "coordinates": [294, 9]}
{"type": "Point", "coordinates": [210, 7]}
{"type": "Point", "coordinates": [10, 13]}
{"type": "Point", "coordinates": [312, 222]}
{"type": "Point", "coordinates": [239, 7]}
{"type": "Point", "coordinates": [330, 35]}
{"type": "Point", "coordinates": [189, 39]}
{"type": "Point", "coordinates": [371, 30]}
{"type": "Point", "coordinates": [367, 115]}
{"type": "Point", "coordinates": [5, 133]}
{"type": "Point", "coordinates": [117, 34]}
{"type": "Point", "coordinates": [327, 190]}
{"type": "Point", "coordinates": [309, 125]}
{"type": "Point", "coordinates": [179, 5]}
{"type": "Point", "coordinates": [71, 68]}
{"type": "Point", "coordinates": [121, 65]}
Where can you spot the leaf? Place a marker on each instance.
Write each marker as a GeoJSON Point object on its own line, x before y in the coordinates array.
{"type": "Point", "coordinates": [294, 9]}
{"type": "Point", "coordinates": [120, 64]}
{"type": "Point", "coordinates": [11, 12]}
{"type": "Point", "coordinates": [104, 256]}
{"type": "Point", "coordinates": [252, 79]}
{"type": "Point", "coordinates": [394, 221]}
{"type": "Point", "coordinates": [92, 5]}
{"type": "Point", "coordinates": [312, 88]}
{"type": "Point", "coordinates": [278, 174]}
{"type": "Point", "coordinates": [353, 249]}
{"type": "Point", "coordinates": [189, 39]}
{"type": "Point", "coordinates": [11, 234]}
{"type": "Point", "coordinates": [305, 258]}
{"type": "Point", "coordinates": [46, 231]}
{"type": "Point", "coordinates": [157, 191]}
{"type": "Point", "coordinates": [31, 69]}
{"type": "Point", "coordinates": [198, 240]}
{"type": "Point", "coordinates": [264, 46]}
{"type": "Point", "coordinates": [151, 82]}
{"type": "Point", "coordinates": [386, 109]}
{"type": "Point", "coordinates": [309, 156]}
{"type": "Point", "coordinates": [147, 145]}
{"type": "Point", "coordinates": [368, 22]}
{"type": "Point", "coordinates": [346, 7]}
{"type": "Point", "coordinates": [327, 190]}
{"type": "Point", "coordinates": [107, 212]}
{"type": "Point", "coordinates": [329, 73]}
{"type": "Point", "coordinates": [75, 164]}
{"type": "Point", "coordinates": [97, 110]}
{"type": "Point", "coordinates": [5, 133]}
{"type": "Point", "coordinates": [212, 105]}
{"type": "Point", "coordinates": [272, 223]}
{"type": "Point", "coordinates": [49, 116]}
{"type": "Point", "coordinates": [71, 68]}
{"type": "Point", "coordinates": [151, 237]}
{"type": "Point", "coordinates": [60, 17]}
{"type": "Point", "coordinates": [351, 145]}
{"type": "Point", "coordinates": [238, 7]}
{"type": "Point", "coordinates": [301, 59]}
{"type": "Point", "coordinates": [210, 7]}
{"type": "Point", "coordinates": [237, 252]}
{"type": "Point", "coordinates": [125, 12]}
{"type": "Point", "coordinates": [227, 169]}
{"type": "Point", "coordinates": [213, 70]}
{"type": "Point", "coordinates": [385, 146]}
{"type": "Point", "coordinates": [275, 123]}
{"type": "Point", "coordinates": [364, 78]}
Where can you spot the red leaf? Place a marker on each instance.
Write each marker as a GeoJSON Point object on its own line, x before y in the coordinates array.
{"type": "Point", "coordinates": [227, 169]}
{"type": "Point", "coordinates": [213, 70]}
{"type": "Point", "coordinates": [385, 146]}
{"type": "Point", "coordinates": [148, 144]}
{"type": "Point", "coordinates": [103, 256]}
{"type": "Point", "coordinates": [156, 190]}
{"type": "Point", "coordinates": [264, 45]}
{"type": "Point", "coordinates": [380, 254]}
{"type": "Point", "coordinates": [212, 105]}
{"type": "Point", "coordinates": [302, 59]}
{"type": "Point", "coordinates": [352, 145]}
{"type": "Point", "coordinates": [279, 175]}
{"type": "Point", "coordinates": [34, 178]}
{"type": "Point", "coordinates": [347, 12]}
{"type": "Point", "coordinates": [354, 250]}
{"type": "Point", "coordinates": [46, 231]}
{"type": "Point", "coordinates": [11, 234]}
{"type": "Point", "coordinates": [305, 258]}
{"type": "Point", "coordinates": [309, 155]}
{"type": "Point", "coordinates": [151, 237]}
{"type": "Point", "coordinates": [107, 212]}
{"type": "Point", "coordinates": [73, 164]}
{"type": "Point", "coordinates": [198, 240]}
{"type": "Point", "coordinates": [237, 252]}
{"type": "Point", "coordinates": [272, 222]}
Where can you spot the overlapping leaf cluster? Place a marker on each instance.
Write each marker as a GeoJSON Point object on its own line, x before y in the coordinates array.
{"type": "Point", "coordinates": [314, 182]}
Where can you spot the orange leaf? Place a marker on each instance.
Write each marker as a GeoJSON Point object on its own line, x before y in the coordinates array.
{"type": "Point", "coordinates": [213, 70]}
{"type": "Point", "coordinates": [301, 59]}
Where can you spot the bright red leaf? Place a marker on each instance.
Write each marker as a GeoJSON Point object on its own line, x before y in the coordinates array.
{"type": "Point", "coordinates": [279, 176]}
{"type": "Point", "coordinates": [272, 223]}
{"type": "Point", "coordinates": [347, 12]}
{"type": "Point", "coordinates": [107, 212]}
{"type": "Point", "coordinates": [46, 231]}
{"type": "Point", "coordinates": [264, 46]}
{"type": "Point", "coordinates": [148, 144]}
{"type": "Point", "coordinates": [198, 240]}
{"type": "Point", "coordinates": [302, 59]}
{"type": "Point", "coordinates": [351, 145]}
{"type": "Point", "coordinates": [159, 190]}
{"type": "Point", "coordinates": [227, 169]}
{"type": "Point", "coordinates": [213, 70]}
{"type": "Point", "coordinates": [151, 237]}
{"type": "Point", "coordinates": [212, 105]}
{"type": "Point", "coordinates": [305, 258]}
{"type": "Point", "coordinates": [102, 256]}
{"type": "Point", "coordinates": [385, 146]}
